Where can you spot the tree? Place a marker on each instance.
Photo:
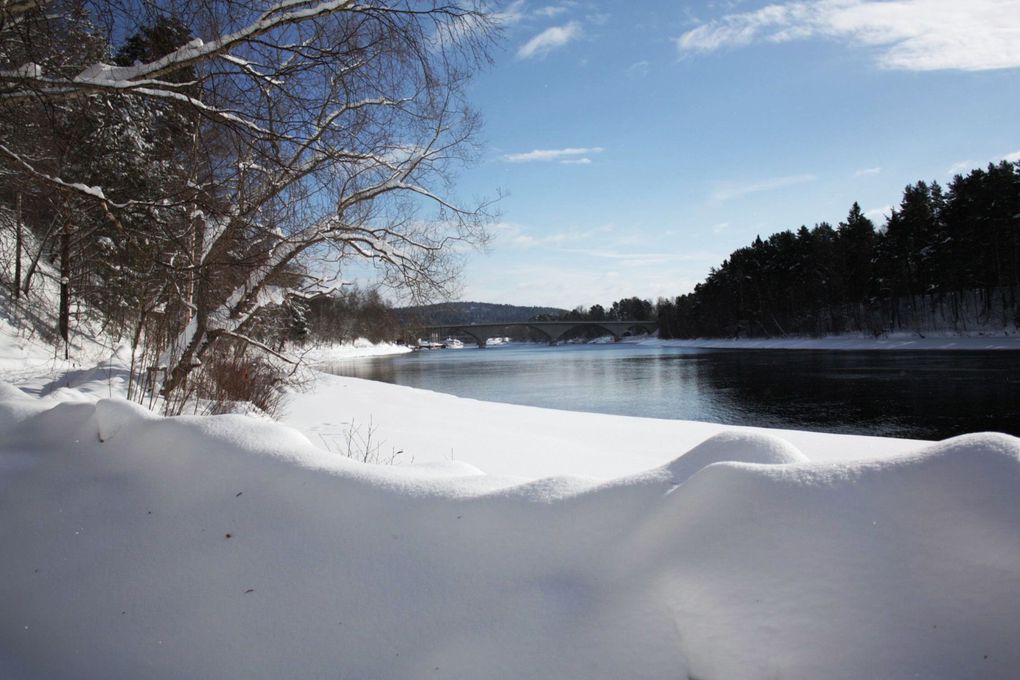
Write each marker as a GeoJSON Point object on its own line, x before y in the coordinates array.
{"type": "Point", "coordinates": [855, 246]}
{"type": "Point", "coordinates": [921, 270]}
{"type": "Point", "coordinates": [633, 308]}
{"type": "Point", "coordinates": [912, 238]}
{"type": "Point", "coordinates": [326, 130]}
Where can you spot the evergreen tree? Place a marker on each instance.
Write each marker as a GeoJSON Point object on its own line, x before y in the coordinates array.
{"type": "Point", "coordinates": [855, 253]}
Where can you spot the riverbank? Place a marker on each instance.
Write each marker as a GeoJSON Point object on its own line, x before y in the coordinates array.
{"type": "Point", "coordinates": [358, 349]}
{"type": "Point", "coordinates": [499, 541]}
{"type": "Point", "coordinates": [892, 342]}
{"type": "Point", "coordinates": [522, 441]}
{"type": "Point", "coordinates": [225, 546]}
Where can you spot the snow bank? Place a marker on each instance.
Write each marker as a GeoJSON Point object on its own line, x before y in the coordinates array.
{"type": "Point", "coordinates": [349, 350]}
{"type": "Point", "coordinates": [525, 441]}
{"type": "Point", "coordinates": [139, 546]}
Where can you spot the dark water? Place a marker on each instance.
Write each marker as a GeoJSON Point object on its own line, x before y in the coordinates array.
{"type": "Point", "coordinates": [927, 395]}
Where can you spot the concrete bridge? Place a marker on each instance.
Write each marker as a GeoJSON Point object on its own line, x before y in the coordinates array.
{"type": "Point", "coordinates": [553, 330]}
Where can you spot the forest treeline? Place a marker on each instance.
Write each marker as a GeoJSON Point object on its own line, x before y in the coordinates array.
{"type": "Point", "coordinates": [633, 308]}
{"type": "Point", "coordinates": [944, 260]}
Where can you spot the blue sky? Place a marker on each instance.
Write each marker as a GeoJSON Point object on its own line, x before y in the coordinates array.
{"type": "Point", "coordinates": [641, 142]}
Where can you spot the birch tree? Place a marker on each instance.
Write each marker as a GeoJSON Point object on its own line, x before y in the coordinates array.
{"type": "Point", "coordinates": [325, 130]}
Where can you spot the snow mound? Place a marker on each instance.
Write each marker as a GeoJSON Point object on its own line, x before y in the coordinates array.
{"type": "Point", "coordinates": [141, 546]}
{"type": "Point", "coordinates": [16, 406]}
{"type": "Point", "coordinates": [883, 569]}
{"type": "Point", "coordinates": [113, 414]}
{"type": "Point", "coordinates": [737, 447]}
{"type": "Point", "coordinates": [11, 393]}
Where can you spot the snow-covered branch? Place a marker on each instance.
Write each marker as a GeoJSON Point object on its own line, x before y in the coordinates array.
{"type": "Point", "coordinates": [254, 343]}
{"type": "Point", "coordinates": [293, 129]}
{"type": "Point", "coordinates": [92, 192]}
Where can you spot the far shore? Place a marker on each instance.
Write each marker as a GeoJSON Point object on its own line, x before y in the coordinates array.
{"type": "Point", "coordinates": [899, 342]}
{"type": "Point", "coordinates": [902, 342]}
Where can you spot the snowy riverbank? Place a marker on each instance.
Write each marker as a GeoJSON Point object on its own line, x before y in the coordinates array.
{"type": "Point", "coordinates": [349, 350]}
{"type": "Point", "coordinates": [899, 342]}
{"type": "Point", "coordinates": [136, 545]}
{"type": "Point", "coordinates": [521, 542]}
{"type": "Point", "coordinates": [522, 441]}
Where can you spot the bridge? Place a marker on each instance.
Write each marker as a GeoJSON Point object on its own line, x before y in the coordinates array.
{"type": "Point", "coordinates": [552, 330]}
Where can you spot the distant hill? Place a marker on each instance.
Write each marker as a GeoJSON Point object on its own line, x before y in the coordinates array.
{"type": "Point", "coordinates": [470, 312]}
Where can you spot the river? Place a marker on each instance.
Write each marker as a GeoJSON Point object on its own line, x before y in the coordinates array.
{"type": "Point", "coordinates": [925, 395]}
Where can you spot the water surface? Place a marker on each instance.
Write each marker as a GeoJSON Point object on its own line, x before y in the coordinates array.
{"type": "Point", "coordinates": [927, 394]}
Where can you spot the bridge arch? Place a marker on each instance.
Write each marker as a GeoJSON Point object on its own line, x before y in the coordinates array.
{"type": "Point", "coordinates": [466, 331]}
{"type": "Point", "coordinates": [565, 327]}
{"type": "Point", "coordinates": [648, 327]}
{"type": "Point", "coordinates": [549, 336]}
{"type": "Point", "coordinates": [553, 331]}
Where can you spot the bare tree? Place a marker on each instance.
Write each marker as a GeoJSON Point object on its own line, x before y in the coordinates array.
{"type": "Point", "coordinates": [324, 129]}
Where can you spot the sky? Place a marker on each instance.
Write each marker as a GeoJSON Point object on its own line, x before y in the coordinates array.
{"type": "Point", "coordinates": [639, 143]}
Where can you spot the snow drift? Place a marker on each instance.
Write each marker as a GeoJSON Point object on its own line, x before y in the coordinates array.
{"type": "Point", "coordinates": [141, 546]}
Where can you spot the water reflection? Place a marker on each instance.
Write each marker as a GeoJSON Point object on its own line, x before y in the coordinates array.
{"type": "Point", "coordinates": [923, 394]}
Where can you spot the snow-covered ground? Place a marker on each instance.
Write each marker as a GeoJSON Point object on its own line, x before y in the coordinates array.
{"type": "Point", "coordinates": [349, 350]}
{"type": "Point", "coordinates": [140, 546]}
{"type": "Point", "coordinates": [521, 543]}
{"type": "Point", "coordinates": [524, 441]}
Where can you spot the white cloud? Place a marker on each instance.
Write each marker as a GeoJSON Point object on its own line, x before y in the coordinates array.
{"type": "Point", "coordinates": [517, 12]}
{"type": "Point", "coordinates": [731, 191]}
{"type": "Point", "coordinates": [963, 167]}
{"type": "Point", "coordinates": [638, 70]}
{"type": "Point", "coordinates": [551, 10]}
{"type": "Point", "coordinates": [597, 241]}
{"type": "Point", "coordinates": [550, 39]}
{"type": "Point", "coordinates": [512, 233]}
{"type": "Point", "coordinates": [868, 171]}
{"type": "Point", "coordinates": [553, 154]}
{"type": "Point", "coordinates": [576, 161]}
{"type": "Point", "coordinates": [879, 215]}
{"type": "Point", "coordinates": [519, 236]}
{"type": "Point", "coordinates": [566, 285]}
{"type": "Point", "coordinates": [638, 259]}
{"type": "Point", "coordinates": [959, 167]}
{"type": "Point", "coordinates": [913, 35]}
{"type": "Point", "coordinates": [511, 14]}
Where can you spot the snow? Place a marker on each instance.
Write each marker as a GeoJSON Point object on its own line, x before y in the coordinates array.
{"type": "Point", "coordinates": [528, 442]}
{"type": "Point", "coordinates": [521, 543]}
{"type": "Point", "coordinates": [25, 357]}
{"type": "Point", "coordinates": [104, 73]}
{"type": "Point", "coordinates": [142, 546]}
{"type": "Point", "coordinates": [95, 192]}
{"type": "Point", "coordinates": [28, 70]}
{"type": "Point", "coordinates": [357, 349]}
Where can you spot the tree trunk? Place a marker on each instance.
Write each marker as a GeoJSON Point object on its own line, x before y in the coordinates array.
{"type": "Point", "coordinates": [18, 247]}
{"type": "Point", "coordinates": [180, 367]}
{"type": "Point", "coordinates": [64, 317]}
{"type": "Point", "coordinates": [227, 316]}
